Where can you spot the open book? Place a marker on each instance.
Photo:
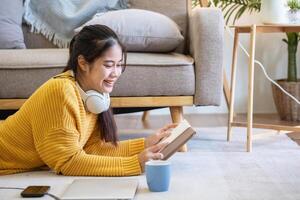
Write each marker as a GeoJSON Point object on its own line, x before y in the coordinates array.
{"type": "Point", "coordinates": [179, 136]}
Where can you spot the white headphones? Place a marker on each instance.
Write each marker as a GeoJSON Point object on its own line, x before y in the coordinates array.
{"type": "Point", "coordinates": [93, 101]}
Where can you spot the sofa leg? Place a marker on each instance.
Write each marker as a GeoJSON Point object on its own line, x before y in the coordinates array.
{"type": "Point", "coordinates": [145, 115]}
{"type": "Point", "coordinates": [177, 116]}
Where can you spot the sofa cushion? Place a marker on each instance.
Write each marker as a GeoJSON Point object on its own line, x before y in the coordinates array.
{"type": "Point", "coordinates": [11, 35]}
{"type": "Point", "coordinates": [147, 74]}
{"type": "Point", "coordinates": [177, 10]}
{"type": "Point", "coordinates": [141, 30]}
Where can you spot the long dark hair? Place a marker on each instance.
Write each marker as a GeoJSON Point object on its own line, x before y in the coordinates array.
{"type": "Point", "coordinates": [91, 42]}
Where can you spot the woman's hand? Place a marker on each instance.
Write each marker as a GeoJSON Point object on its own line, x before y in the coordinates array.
{"type": "Point", "coordinates": [151, 153]}
{"type": "Point", "coordinates": [159, 135]}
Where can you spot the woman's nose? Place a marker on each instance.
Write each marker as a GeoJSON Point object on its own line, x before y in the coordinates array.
{"type": "Point", "coordinates": [116, 71]}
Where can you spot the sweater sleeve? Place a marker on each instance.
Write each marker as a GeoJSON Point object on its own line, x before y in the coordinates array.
{"type": "Point", "coordinates": [125, 148]}
{"type": "Point", "coordinates": [61, 151]}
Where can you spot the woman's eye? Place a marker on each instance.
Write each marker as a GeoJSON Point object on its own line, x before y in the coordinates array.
{"type": "Point", "coordinates": [119, 66]}
{"type": "Point", "coordinates": [108, 66]}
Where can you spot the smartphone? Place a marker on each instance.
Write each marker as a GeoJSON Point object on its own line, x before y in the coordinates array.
{"type": "Point", "coordinates": [35, 191]}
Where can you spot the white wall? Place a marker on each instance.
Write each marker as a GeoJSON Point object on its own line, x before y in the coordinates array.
{"type": "Point", "coordinates": [271, 51]}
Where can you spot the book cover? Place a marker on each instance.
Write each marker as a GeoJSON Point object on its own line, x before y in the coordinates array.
{"type": "Point", "coordinates": [179, 136]}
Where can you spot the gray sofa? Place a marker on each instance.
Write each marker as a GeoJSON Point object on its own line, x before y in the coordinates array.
{"type": "Point", "coordinates": [191, 75]}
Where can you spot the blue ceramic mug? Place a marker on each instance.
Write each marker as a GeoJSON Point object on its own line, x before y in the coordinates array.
{"type": "Point", "coordinates": [158, 174]}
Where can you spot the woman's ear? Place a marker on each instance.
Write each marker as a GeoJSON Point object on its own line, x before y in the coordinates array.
{"type": "Point", "coordinates": [82, 63]}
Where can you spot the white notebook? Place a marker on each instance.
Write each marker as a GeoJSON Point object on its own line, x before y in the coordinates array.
{"type": "Point", "coordinates": [101, 188]}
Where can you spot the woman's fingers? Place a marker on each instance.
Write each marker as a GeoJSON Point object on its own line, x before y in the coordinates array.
{"type": "Point", "coordinates": [157, 156]}
{"type": "Point", "coordinates": [156, 148]}
{"type": "Point", "coordinates": [168, 126]}
{"type": "Point", "coordinates": [151, 153]}
{"type": "Point", "coordinates": [164, 135]}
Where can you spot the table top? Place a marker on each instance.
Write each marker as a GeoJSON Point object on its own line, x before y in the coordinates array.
{"type": "Point", "coordinates": [267, 28]}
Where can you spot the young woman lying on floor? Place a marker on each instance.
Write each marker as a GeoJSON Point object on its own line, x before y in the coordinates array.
{"type": "Point", "coordinates": [67, 124]}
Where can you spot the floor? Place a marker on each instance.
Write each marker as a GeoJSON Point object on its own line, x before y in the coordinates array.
{"type": "Point", "coordinates": [129, 121]}
{"type": "Point", "coordinates": [125, 121]}
{"type": "Point", "coordinates": [212, 169]}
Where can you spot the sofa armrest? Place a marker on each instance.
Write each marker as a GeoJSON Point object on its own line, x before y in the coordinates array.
{"type": "Point", "coordinates": [206, 26]}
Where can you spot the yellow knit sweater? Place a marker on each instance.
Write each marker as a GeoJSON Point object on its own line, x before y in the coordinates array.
{"type": "Point", "coordinates": [52, 128]}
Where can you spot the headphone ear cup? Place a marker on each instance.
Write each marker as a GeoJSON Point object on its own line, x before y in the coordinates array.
{"type": "Point", "coordinates": [95, 102]}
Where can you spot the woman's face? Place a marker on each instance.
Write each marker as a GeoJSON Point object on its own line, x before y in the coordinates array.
{"type": "Point", "coordinates": [102, 74]}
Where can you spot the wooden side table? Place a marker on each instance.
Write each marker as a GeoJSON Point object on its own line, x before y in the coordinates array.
{"type": "Point", "coordinates": [253, 30]}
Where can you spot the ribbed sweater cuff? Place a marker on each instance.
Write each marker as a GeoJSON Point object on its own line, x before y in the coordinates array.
{"type": "Point", "coordinates": [136, 146]}
{"type": "Point", "coordinates": [131, 166]}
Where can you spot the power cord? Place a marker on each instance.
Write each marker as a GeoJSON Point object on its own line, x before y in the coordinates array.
{"type": "Point", "coordinates": [263, 69]}
{"type": "Point", "coordinates": [17, 188]}
{"type": "Point", "coordinates": [259, 63]}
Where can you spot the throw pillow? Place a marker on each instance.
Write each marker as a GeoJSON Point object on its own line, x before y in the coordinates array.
{"type": "Point", "coordinates": [141, 30]}
{"type": "Point", "coordinates": [11, 35]}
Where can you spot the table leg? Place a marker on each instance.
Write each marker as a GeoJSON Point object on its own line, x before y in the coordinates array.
{"type": "Point", "coordinates": [226, 89]}
{"type": "Point", "coordinates": [232, 84]}
{"type": "Point", "coordinates": [250, 88]}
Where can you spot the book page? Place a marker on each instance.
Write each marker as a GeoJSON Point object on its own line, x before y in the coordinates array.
{"type": "Point", "coordinates": [182, 126]}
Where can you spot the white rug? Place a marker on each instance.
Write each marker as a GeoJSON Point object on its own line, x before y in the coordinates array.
{"type": "Point", "coordinates": [216, 169]}
{"type": "Point", "coordinates": [213, 169]}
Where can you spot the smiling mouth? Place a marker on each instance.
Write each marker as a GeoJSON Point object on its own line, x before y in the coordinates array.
{"type": "Point", "coordinates": [110, 83]}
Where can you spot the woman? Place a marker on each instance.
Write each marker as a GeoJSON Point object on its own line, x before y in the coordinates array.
{"type": "Point", "coordinates": [59, 126]}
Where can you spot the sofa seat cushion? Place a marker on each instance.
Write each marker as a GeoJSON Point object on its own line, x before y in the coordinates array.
{"type": "Point", "coordinates": [147, 74]}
